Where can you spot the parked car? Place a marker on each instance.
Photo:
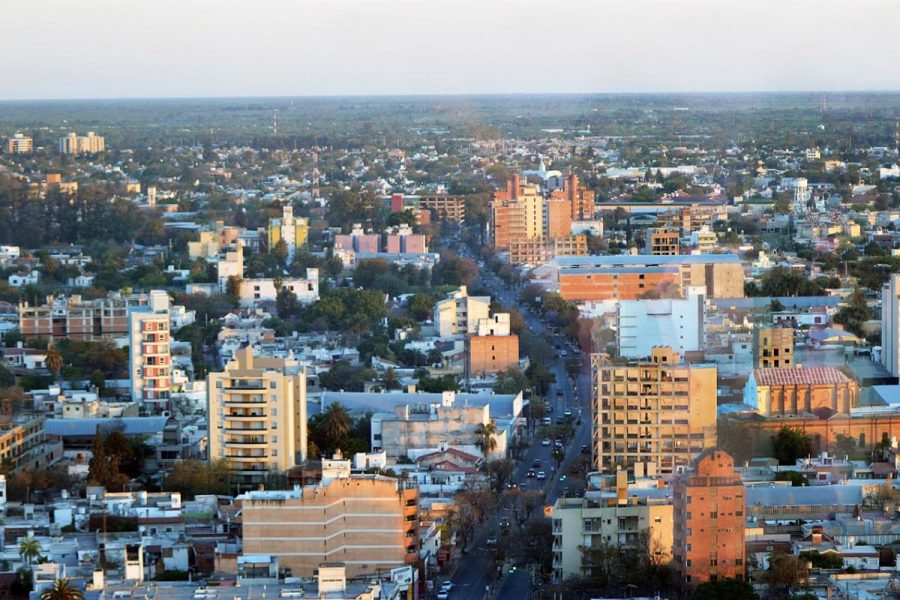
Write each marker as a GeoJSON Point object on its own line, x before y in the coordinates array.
{"type": "Point", "coordinates": [541, 475]}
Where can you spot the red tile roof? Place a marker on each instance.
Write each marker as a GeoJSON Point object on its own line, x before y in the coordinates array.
{"type": "Point", "coordinates": [801, 376]}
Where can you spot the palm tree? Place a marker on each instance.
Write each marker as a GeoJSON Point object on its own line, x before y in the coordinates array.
{"type": "Point", "coordinates": [486, 440]}
{"type": "Point", "coordinates": [62, 589]}
{"type": "Point", "coordinates": [336, 422]}
{"type": "Point", "coordinates": [29, 550]}
{"type": "Point", "coordinates": [54, 360]}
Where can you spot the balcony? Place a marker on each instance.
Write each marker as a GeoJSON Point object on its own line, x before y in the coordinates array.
{"type": "Point", "coordinates": [245, 429]}
{"type": "Point", "coordinates": [245, 384]}
{"type": "Point", "coordinates": [244, 400]}
{"type": "Point", "coordinates": [246, 442]}
{"type": "Point", "coordinates": [246, 458]}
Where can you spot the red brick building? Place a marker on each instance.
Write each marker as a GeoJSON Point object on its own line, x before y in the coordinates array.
{"type": "Point", "coordinates": [709, 521]}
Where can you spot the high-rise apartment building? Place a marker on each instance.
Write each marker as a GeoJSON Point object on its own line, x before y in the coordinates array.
{"type": "Point", "coordinates": [82, 144]}
{"type": "Point", "coordinates": [581, 200]}
{"type": "Point", "coordinates": [890, 325]}
{"type": "Point", "coordinates": [19, 144]}
{"type": "Point", "coordinates": [459, 313]}
{"type": "Point", "coordinates": [368, 522]}
{"type": "Point", "coordinates": [710, 521]}
{"type": "Point", "coordinates": [517, 213]}
{"type": "Point", "coordinates": [294, 231]}
{"type": "Point", "coordinates": [257, 415]}
{"type": "Point", "coordinates": [149, 356]}
{"type": "Point", "coordinates": [660, 412]}
{"type": "Point", "coordinates": [774, 347]}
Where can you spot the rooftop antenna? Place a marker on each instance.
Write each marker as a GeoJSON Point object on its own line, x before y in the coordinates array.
{"type": "Point", "coordinates": [275, 122]}
{"type": "Point", "coordinates": [823, 107]}
{"type": "Point", "coordinates": [315, 173]}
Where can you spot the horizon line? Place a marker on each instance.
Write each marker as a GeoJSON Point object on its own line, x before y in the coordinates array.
{"type": "Point", "coordinates": [457, 95]}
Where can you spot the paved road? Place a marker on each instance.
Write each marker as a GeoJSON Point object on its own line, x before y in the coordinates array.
{"type": "Point", "coordinates": [470, 578]}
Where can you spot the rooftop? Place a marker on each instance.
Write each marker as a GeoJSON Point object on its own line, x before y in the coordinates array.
{"type": "Point", "coordinates": [801, 376]}
{"type": "Point", "coordinates": [645, 259]}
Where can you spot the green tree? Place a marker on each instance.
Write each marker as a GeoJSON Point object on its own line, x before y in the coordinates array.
{"type": "Point", "coordinates": [785, 573]}
{"type": "Point", "coordinates": [486, 437]}
{"type": "Point", "coordinates": [796, 478]}
{"type": "Point", "coordinates": [29, 551]}
{"type": "Point", "coordinates": [421, 306]}
{"type": "Point", "coordinates": [62, 589]}
{"type": "Point", "coordinates": [511, 381]}
{"type": "Point", "coordinates": [789, 444]}
{"type": "Point", "coordinates": [540, 377]}
{"type": "Point", "coordinates": [193, 478]}
{"type": "Point", "coordinates": [233, 288]}
{"type": "Point", "coordinates": [726, 589]}
{"type": "Point", "coordinates": [436, 385]}
{"type": "Point", "coordinates": [336, 421]}
{"type": "Point", "coordinates": [854, 312]}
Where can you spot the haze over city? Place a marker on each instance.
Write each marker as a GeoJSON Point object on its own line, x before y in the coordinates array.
{"type": "Point", "coordinates": [203, 48]}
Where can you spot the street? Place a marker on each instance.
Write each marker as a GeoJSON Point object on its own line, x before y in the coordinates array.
{"type": "Point", "coordinates": [470, 578]}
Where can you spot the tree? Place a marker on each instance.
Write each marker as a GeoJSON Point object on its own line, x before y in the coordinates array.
{"type": "Point", "coordinates": [29, 550]}
{"type": "Point", "coordinates": [485, 439]}
{"type": "Point", "coordinates": [63, 589]}
{"type": "Point", "coordinates": [436, 385]}
{"type": "Point", "coordinates": [558, 456]}
{"type": "Point", "coordinates": [344, 376]}
{"type": "Point", "coordinates": [193, 478]}
{"type": "Point", "coordinates": [790, 444]}
{"type": "Point", "coordinates": [796, 478]}
{"type": "Point", "coordinates": [540, 377]}
{"type": "Point", "coordinates": [233, 288]}
{"type": "Point", "coordinates": [421, 306]}
{"type": "Point", "coordinates": [854, 312]}
{"type": "Point", "coordinates": [54, 360]}
{"type": "Point", "coordinates": [336, 421]}
{"type": "Point", "coordinates": [726, 589]}
{"type": "Point", "coordinates": [786, 572]}
{"type": "Point", "coordinates": [511, 381]}
{"type": "Point", "coordinates": [390, 379]}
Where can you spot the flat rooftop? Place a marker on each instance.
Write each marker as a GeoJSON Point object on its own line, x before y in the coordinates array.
{"type": "Point", "coordinates": [645, 259]}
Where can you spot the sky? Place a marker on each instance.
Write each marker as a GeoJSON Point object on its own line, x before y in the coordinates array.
{"type": "Point", "coordinates": [56, 49]}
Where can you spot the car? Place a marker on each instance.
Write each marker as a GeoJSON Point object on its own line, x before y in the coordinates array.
{"type": "Point", "coordinates": [537, 464]}
{"type": "Point", "coordinates": [530, 473]}
{"type": "Point", "coordinates": [443, 595]}
{"type": "Point", "coordinates": [558, 443]}
{"type": "Point", "coordinates": [541, 475]}
{"type": "Point", "coordinates": [446, 586]}
{"type": "Point", "coordinates": [491, 541]}
{"type": "Point", "coordinates": [504, 523]}
{"type": "Point", "coordinates": [512, 485]}
{"type": "Point", "coordinates": [565, 492]}
{"type": "Point", "coordinates": [560, 420]}
{"type": "Point", "coordinates": [546, 421]}
{"type": "Point", "coordinates": [545, 442]}
{"type": "Point", "coordinates": [585, 449]}
{"type": "Point", "coordinates": [567, 413]}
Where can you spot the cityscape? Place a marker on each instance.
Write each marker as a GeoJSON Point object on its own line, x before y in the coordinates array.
{"type": "Point", "coordinates": [527, 342]}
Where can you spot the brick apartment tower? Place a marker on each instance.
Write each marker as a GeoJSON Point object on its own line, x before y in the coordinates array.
{"type": "Point", "coordinates": [709, 521]}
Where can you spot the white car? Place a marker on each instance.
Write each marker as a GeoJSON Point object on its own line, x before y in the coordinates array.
{"type": "Point", "coordinates": [446, 586]}
{"type": "Point", "coordinates": [541, 475]}
{"type": "Point", "coordinates": [443, 595]}
{"type": "Point", "coordinates": [545, 442]}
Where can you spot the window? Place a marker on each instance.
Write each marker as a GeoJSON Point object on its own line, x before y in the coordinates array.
{"type": "Point", "coordinates": [713, 562]}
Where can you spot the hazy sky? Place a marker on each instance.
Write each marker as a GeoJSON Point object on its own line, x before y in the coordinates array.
{"type": "Point", "coordinates": [168, 48]}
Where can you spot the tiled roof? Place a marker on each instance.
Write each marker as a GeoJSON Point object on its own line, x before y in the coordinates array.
{"type": "Point", "coordinates": [801, 376]}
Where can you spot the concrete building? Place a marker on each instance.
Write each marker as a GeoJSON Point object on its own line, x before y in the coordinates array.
{"type": "Point", "coordinates": [82, 144]}
{"type": "Point", "coordinates": [368, 522]}
{"type": "Point", "coordinates": [627, 518]}
{"type": "Point", "coordinates": [402, 240]}
{"type": "Point", "coordinates": [19, 144]}
{"type": "Point", "coordinates": [710, 521]}
{"type": "Point", "coordinates": [445, 208]}
{"type": "Point", "coordinates": [74, 318]}
{"type": "Point", "coordinates": [459, 313]}
{"type": "Point", "coordinates": [257, 415]}
{"type": "Point", "coordinates": [660, 412]}
{"type": "Point", "coordinates": [293, 231]}
{"type": "Point", "coordinates": [663, 241]}
{"type": "Point", "coordinates": [645, 324]}
{"type": "Point", "coordinates": [579, 199]}
{"type": "Point", "coordinates": [148, 351]}
{"type": "Point", "coordinates": [890, 325]}
{"type": "Point", "coordinates": [25, 445]}
{"type": "Point", "coordinates": [597, 278]}
{"type": "Point", "coordinates": [252, 291]}
{"type": "Point", "coordinates": [493, 348]}
{"type": "Point", "coordinates": [540, 251]}
{"type": "Point", "coordinates": [230, 265]}
{"type": "Point", "coordinates": [517, 213]}
{"type": "Point", "coordinates": [357, 240]}
{"type": "Point", "coordinates": [804, 390]}
{"type": "Point", "coordinates": [774, 347]}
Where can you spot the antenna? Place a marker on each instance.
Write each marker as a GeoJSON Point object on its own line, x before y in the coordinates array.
{"type": "Point", "coordinates": [315, 173]}
{"type": "Point", "coordinates": [275, 122]}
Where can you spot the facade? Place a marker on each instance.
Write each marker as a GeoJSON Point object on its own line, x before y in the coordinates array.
{"type": "Point", "coordinates": [24, 445]}
{"type": "Point", "coordinates": [230, 265]}
{"type": "Point", "coordinates": [150, 358]}
{"type": "Point", "coordinates": [82, 144]}
{"type": "Point", "coordinates": [659, 412]}
{"type": "Point", "coordinates": [580, 200]}
{"type": "Point", "coordinates": [293, 231]}
{"type": "Point", "coordinates": [601, 520]}
{"type": "Point", "coordinates": [257, 415]}
{"type": "Point", "coordinates": [774, 347]}
{"type": "Point", "coordinates": [368, 522]}
{"type": "Point", "coordinates": [592, 278]}
{"type": "Point", "coordinates": [781, 391]}
{"type": "Point", "coordinates": [357, 240]}
{"type": "Point", "coordinates": [78, 319]}
{"type": "Point", "coordinates": [644, 324]}
{"type": "Point", "coordinates": [890, 325]}
{"type": "Point", "coordinates": [445, 208]}
{"type": "Point", "coordinates": [459, 313]}
{"type": "Point", "coordinates": [251, 291]}
{"type": "Point", "coordinates": [710, 521]}
{"type": "Point", "coordinates": [402, 240]}
{"type": "Point", "coordinates": [663, 241]}
{"type": "Point", "coordinates": [492, 351]}
{"type": "Point", "coordinates": [517, 213]}
{"type": "Point", "coordinates": [19, 144]}
{"type": "Point", "coordinates": [540, 251]}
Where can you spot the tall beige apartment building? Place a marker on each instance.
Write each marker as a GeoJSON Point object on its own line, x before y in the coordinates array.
{"type": "Point", "coordinates": [368, 522]}
{"type": "Point", "coordinates": [774, 347]}
{"type": "Point", "coordinates": [82, 144]}
{"type": "Point", "coordinates": [19, 144]}
{"type": "Point", "coordinates": [660, 412]}
{"type": "Point", "coordinates": [257, 415]}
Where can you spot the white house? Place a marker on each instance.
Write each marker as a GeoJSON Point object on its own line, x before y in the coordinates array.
{"type": "Point", "coordinates": [643, 324]}
{"type": "Point", "coordinates": [261, 290]}
{"type": "Point", "coordinates": [21, 279]}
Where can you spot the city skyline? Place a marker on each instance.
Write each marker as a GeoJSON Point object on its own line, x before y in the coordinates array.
{"type": "Point", "coordinates": [402, 48]}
